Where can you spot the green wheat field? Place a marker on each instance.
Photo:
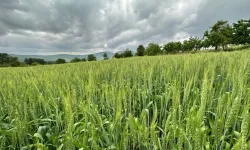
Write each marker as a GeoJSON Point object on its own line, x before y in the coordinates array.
{"type": "Point", "coordinates": [183, 102]}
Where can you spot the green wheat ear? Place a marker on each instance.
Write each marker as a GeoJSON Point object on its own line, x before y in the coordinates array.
{"type": "Point", "coordinates": [233, 113]}
{"type": "Point", "coordinates": [180, 139]}
{"type": "Point", "coordinates": [218, 131]}
{"type": "Point", "coordinates": [197, 140]}
{"type": "Point", "coordinates": [245, 126]}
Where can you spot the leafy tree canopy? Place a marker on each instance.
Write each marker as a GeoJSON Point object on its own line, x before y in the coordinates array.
{"type": "Point", "coordinates": [241, 32]}
{"type": "Point", "coordinates": [153, 49]}
{"type": "Point", "coordinates": [60, 61]}
{"type": "Point", "coordinates": [105, 56]}
{"type": "Point", "coordinates": [140, 50]}
{"type": "Point", "coordinates": [220, 34]}
{"type": "Point", "coordinates": [30, 61]}
{"type": "Point", "coordinates": [7, 60]}
{"type": "Point", "coordinates": [91, 57]}
{"type": "Point", "coordinates": [75, 60]}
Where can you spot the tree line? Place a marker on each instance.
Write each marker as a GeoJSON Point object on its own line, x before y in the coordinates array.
{"type": "Point", "coordinates": [10, 61]}
{"type": "Point", "coordinates": [218, 37]}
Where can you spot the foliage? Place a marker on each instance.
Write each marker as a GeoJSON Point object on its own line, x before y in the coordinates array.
{"type": "Point", "coordinates": [153, 49]}
{"type": "Point", "coordinates": [31, 61]}
{"type": "Point", "coordinates": [169, 48]}
{"type": "Point", "coordinates": [193, 43]}
{"type": "Point", "coordinates": [60, 61]}
{"type": "Point", "coordinates": [84, 59]}
{"type": "Point", "coordinates": [205, 43]}
{"type": "Point", "coordinates": [172, 47]}
{"type": "Point", "coordinates": [241, 31]}
{"type": "Point", "coordinates": [117, 55]}
{"type": "Point", "coordinates": [105, 56]}
{"type": "Point", "coordinates": [127, 53]}
{"type": "Point", "coordinates": [140, 50]}
{"type": "Point", "coordinates": [196, 101]}
{"type": "Point", "coordinates": [75, 60]}
{"type": "Point", "coordinates": [91, 57]}
{"type": "Point", "coordinates": [220, 34]}
{"type": "Point", "coordinates": [187, 46]}
{"type": "Point", "coordinates": [6, 60]}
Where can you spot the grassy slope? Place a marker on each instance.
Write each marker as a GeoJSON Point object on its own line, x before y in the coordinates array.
{"type": "Point", "coordinates": [159, 102]}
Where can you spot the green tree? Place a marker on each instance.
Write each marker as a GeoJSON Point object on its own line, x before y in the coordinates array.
{"type": "Point", "coordinates": [241, 32]}
{"type": "Point", "coordinates": [187, 45]}
{"type": "Point", "coordinates": [196, 43]}
{"type": "Point", "coordinates": [117, 55]}
{"type": "Point", "coordinates": [30, 61]}
{"type": "Point", "coordinates": [140, 50]}
{"type": "Point", "coordinates": [7, 60]}
{"type": "Point", "coordinates": [169, 48]}
{"type": "Point", "coordinates": [75, 60]}
{"type": "Point", "coordinates": [177, 46]}
{"type": "Point", "coordinates": [105, 56]}
{"type": "Point", "coordinates": [127, 53]}
{"type": "Point", "coordinates": [153, 49]}
{"type": "Point", "coordinates": [172, 47]}
{"type": "Point", "coordinates": [14, 62]}
{"type": "Point", "coordinates": [83, 59]}
{"type": "Point", "coordinates": [4, 59]}
{"type": "Point", "coordinates": [91, 57]}
{"type": "Point", "coordinates": [220, 35]}
{"type": "Point", "coordinates": [60, 61]}
{"type": "Point", "coordinates": [206, 43]}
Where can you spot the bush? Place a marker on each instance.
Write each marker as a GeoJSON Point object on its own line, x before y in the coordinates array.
{"type": "Point", "coordinates": [60, 61]}
{"type": "Point", "coordinates": [75, 60]}
{"type": "Point", "coordinates": [91, 57]}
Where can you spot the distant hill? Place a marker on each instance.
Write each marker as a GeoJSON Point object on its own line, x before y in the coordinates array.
{"type": "Point", "coordinates": [67, 57]}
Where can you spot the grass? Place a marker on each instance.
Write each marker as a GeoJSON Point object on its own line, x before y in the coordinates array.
{"type": "Point", "coordinates": [189, 102]}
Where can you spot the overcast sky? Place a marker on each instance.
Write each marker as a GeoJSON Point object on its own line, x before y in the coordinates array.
{"type": "Point", "coordinates": [90, 26]}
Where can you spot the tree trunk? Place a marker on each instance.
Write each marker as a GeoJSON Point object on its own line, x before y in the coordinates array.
{"type": "Point", "coordinates": [216, 47]}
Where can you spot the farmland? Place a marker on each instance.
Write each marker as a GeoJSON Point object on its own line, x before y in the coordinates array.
{"type": "Point", "coordinates": [192, 101]}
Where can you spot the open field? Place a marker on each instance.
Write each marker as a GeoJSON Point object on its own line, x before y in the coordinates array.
{"type": "Point", "coordinates": [193, 101]}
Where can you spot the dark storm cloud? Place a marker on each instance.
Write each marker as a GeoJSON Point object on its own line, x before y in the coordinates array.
{"type": "Point", "coordinates": [84, 26]}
